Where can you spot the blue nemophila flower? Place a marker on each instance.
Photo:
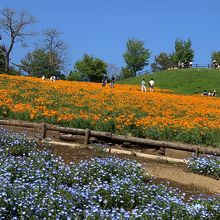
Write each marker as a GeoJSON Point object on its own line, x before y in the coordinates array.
{"type": "Point", "coordinates": [39, 185]}
{"type": "Point", "coordinates": [206, 165]}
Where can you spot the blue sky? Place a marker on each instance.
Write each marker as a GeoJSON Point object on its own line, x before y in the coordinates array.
{"type": "Point", "coordinates": [102, 27]}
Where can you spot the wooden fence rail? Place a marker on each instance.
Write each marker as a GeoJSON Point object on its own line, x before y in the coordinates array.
{"type": "Point", "coordinates": [113, 137]}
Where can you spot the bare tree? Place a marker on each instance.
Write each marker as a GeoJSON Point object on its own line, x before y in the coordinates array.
{"type": "Point", "coordinates": [13, 25]}
{"type": "Point", "coordinates": [54, 46]}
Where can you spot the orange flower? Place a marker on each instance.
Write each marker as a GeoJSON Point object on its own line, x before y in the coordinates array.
{"type": "Point", "coordinates": [126, 105]}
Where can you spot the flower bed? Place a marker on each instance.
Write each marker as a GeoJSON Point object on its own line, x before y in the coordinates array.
{"type": "Point", "coordinates": [122, 110]}
{"type": "Point", "coordinates": [38, 185]}
{"type": "Point", "coordinates": [205, 165]}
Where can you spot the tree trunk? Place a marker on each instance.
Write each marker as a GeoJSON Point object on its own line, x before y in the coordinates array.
{"type": "Point", "coordinates": [7, 63]}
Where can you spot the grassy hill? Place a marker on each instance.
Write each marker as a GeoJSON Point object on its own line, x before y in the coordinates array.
{"type": "Point", "coordinates": [184, 81]}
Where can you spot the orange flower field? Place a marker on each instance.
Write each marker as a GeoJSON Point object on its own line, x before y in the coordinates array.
{"type": "Point", "coordinates": [124, 109]}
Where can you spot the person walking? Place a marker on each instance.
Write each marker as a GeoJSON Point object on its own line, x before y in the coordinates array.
{"type": "Point", "coordinates": [143, 86]}
{"type": "Point", "coordinates": [151, 85]}
{"type": "Point", "coordinates": [104, 81]}
{"type": "Point", "coordinates": [179, 65]}
{"type": "Point", "coordinates": [214, 64]}
{"type": "Point", "coordinates": [112, 84]}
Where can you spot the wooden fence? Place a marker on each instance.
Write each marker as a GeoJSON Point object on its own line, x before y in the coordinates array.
{"type": "Point", "coordinates": [43, 128]}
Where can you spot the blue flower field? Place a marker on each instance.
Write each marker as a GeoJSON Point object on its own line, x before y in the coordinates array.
{"type": "Point", "coordinates": [35, 184]}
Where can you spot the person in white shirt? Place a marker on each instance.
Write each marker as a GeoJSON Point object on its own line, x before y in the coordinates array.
{"type": "Point", "coordinates": [151, 85]}
{"type": "Point", "coordinates": [143, 86]}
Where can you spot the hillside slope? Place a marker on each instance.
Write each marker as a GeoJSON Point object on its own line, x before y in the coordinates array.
{"type": "Point", "coordinates": [184, 81]}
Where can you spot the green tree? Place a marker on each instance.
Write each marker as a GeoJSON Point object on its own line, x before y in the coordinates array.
{"type": "Point", "coordinates": [14, 71]}
{"type": "Point", "coordinates": [216, 56]}
{"type": "Point", "coordinates": [125, 73]}
{"type": "Point", "coordinates": [163, 61]}
{"type": "Point", "coordinates": [75, 76]}
{"type": "Point", "coordinates": [136, 56]}
{"type": "Point", "coordinates": [48, 59]}
{"type": "Point", "coordinates": [183, 51]}
{"type": "Point", "coordinates": [89, 68]}
{"type": "Point", "coordinates": [37, 63]}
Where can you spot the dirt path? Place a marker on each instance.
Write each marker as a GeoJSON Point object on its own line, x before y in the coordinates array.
{"type": "Point", "coordinates": [165, 172]}
{"type": "Point", "coordinates": [178, 175]}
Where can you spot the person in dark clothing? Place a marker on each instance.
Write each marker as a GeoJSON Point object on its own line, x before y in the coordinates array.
{"type": "Point", "coordinates": [104, 81]}
{"type": "Point", "coordinates": [214, 64]}
{"type": "Point", "coordinates": [186, 64]}
{"type": "Point", "coordinates": [112, 84]}
{"type": "Point", "coordinates": [205, 92]}
{"type": "Point", "coordinates": [209, 93]}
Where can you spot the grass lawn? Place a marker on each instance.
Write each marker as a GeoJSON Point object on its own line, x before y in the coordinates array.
{"type": "Point", "coordinates": [184, 81]}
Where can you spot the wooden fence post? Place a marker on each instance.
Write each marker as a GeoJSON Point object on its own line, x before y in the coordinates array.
{"type": "Point", "coordinates": [43, 130]}
{"type": "Point", "coordinates": [87, 136]}
{"type": "Point", "coordinates": [197, 152]}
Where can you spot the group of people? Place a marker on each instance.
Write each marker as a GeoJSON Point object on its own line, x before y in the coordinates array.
{"type": "Point", "coordinates": [209, 93]}
{"type": "Point", "coordinates": [151, 85]}
{"type": "Point", "coordinates": [105, 81]}
{"type": "Point", "coordinates": [188, 64]}
{"type": "Point", "coordinates": [143, 83]}
{"type": "Point", "coordinates": [185, 64]}
{"type": "Point", "coordinates": [52, 78]}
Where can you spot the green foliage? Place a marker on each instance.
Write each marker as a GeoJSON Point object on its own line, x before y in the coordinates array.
{"type": "Point", "coordinates": [125, 73]}
{"type": "Point", "coordinates": [109, 126]}
{"type": "Point", "coordinates": [12, 70]}
{"type": "Point", "coordinates": [15, 72]}
{"type": "Point", "coordinates": [2, 60]}
{"type": "Point", "coordinates": [90, 68]}
{"type": "Point", "coordinates": [183, 51]}
{"type": "Point", "coordinates": [216, 56]}
{"type": "Point", "coordinates": [37, 63]}
{"type": "Point", "coordinates": [75, 76]}
{"type": "Point", "coordinates": [190, 136]}
{"type": "Point", "coordinates": [163, 61]}
{"type": "Point", "coordinates": [136, 56]}
{"type": "Point", "coordinates": [62, 76]}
